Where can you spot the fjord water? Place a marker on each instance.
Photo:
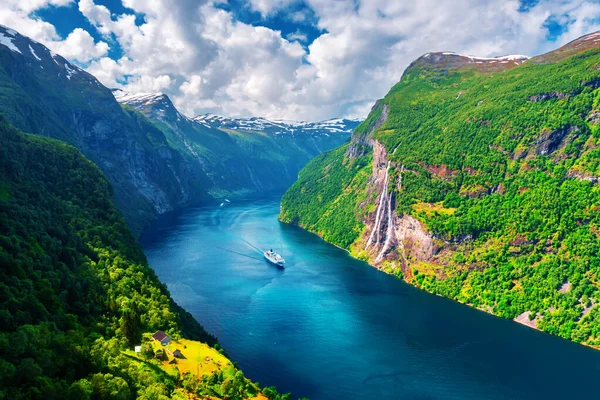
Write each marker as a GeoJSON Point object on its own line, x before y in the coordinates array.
{"type": "Point", "coordinates": [331, 327]}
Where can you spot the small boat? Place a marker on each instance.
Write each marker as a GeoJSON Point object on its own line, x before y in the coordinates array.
{"type": "Point", "coordinates": [274, 258]}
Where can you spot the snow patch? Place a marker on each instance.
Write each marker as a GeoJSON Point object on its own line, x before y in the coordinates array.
{"type": "Point", "coordinates": [33, 53]}
{"type": "Point", "coordinates": [508, 57]}
{"type": "Point", "coordinates": [70, 71]}
{"type": "Point", "coordinates": [138, 98]}
{"type": "Point", "coordinates": [8, 42]}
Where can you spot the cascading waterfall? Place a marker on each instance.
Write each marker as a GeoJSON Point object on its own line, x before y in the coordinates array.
{"type": "Point", "coordinates": [390, 225]}
{"type": "Point", "coordinates": [389, 233]}
{"type": "Point", "coordinates": [378, 215]}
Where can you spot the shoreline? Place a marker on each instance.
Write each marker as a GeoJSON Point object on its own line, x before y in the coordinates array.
{"type": "Point", "coordinates": [514, 320]}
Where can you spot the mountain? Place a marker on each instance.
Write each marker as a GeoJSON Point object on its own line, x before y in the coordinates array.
{"type": "Point", "coordinates": [279, 127]}
{"type": "Point", "coordinates": [157, 159]}
{"type": "Point", "coordinates": [239, 157]}
{"type": "Point", "coordinates": [76, 293]}
{"type": "Point", "coordinates": [42, 93]}
{"type": "Point", "coordinates": [476, 179]}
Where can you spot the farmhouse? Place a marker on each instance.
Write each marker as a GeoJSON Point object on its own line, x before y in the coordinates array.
{"type": "Point", "coordinates": [162, 338]}
{"type": "Point", "coordinates": [177, 353]}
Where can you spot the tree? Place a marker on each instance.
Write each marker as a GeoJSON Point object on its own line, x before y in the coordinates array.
{"type": "Point", "coordinates": [147, 351]}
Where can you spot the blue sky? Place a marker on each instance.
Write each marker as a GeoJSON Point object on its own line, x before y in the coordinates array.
{"type": "Point", "coordinates": [310, 60]}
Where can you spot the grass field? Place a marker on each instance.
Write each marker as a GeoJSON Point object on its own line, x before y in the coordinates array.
{"type": "Point", "coordinates": [199, 358]}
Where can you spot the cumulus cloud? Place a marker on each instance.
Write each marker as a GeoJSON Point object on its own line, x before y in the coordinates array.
{"type": "Point", "coordinates": [269, 6]}
{"type": "Point", "coordinates": [209, 62]}
{"type": "Point", "coordinates": [78, 46]}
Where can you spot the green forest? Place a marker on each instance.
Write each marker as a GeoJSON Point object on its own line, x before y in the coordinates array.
{"type": "Point", "coordinates": [76, 293]}
{"type": "Point", "coordinates": [499, 166]}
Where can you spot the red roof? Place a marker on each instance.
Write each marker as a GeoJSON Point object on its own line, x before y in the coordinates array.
{"type": "Point", "coordinates": [159, 335]}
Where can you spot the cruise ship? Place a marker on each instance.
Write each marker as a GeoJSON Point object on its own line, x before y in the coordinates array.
{"type": "Point", "coordinates": [274, 258]}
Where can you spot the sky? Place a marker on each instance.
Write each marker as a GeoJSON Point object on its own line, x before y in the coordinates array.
{"type": "Point", "coordinates": [285, 59]}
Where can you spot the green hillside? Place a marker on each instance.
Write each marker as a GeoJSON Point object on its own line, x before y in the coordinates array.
{"type": "Point", "coordinates": [76, 293]}
{"type": "Point", "coordinates": [497, 162]}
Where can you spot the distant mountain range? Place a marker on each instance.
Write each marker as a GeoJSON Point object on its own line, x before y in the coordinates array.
{"type": "Point", "coordinates": [279, 127]}
{"type": "Point", "coordinates": [156, 158]}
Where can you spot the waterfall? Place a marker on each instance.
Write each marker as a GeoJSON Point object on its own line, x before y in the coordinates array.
{"type": "Point", "coordinates": [389, 233]}
{"type": "Point", "coordinates": [390, 224]}
{"type": "Point", "coordinates": [378, 215]}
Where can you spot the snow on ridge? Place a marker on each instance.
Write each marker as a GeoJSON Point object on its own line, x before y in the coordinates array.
{"type": "Point", "coordinates": [33, 53]}
{"type": "Point", "coordinates": [124, 97]}
{"type": "Point", "coordinates": [70, 71]}
{"type": "Point", "coordinates": [595, 36]}
{"type": "Point", "coordinates": [8, 41]}
{"type": "Point", "coordinates": [508, 57]}
{"type": "Point", "coordinates": [277, 126]}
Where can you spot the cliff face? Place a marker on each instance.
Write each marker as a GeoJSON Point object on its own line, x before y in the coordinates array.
{"type": "Point", "coordinates": [389, 236]}
{"type": "Point", "coordinates": [474, 178]}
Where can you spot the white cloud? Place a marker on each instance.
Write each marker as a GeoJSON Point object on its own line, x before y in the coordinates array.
{"type": "Point", "coordinates": [98, 15]}
{"type": "Point", "coordinates": [206, 61]}
{"type": "Point", "coordinates": [299, 36]}
{"type": "Point", "coordinates": [80, 46]}
{"type": "Point", "coordinates": [268, 6]}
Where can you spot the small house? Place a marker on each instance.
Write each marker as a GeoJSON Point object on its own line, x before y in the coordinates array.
{"type": "Point", "coordinates": [138, 349]}
{"type": "Point", "coordinates": [177, 354]}
{"type": "Point", "coordinates": [162, 338]}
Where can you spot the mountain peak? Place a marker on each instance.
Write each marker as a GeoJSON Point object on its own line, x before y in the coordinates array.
{"type": "Point", "coordinates": [140, 98]}
{"type": "Point", "coordinates": [450, 60]}
{"type": "Point", "coordinates": [39, 56]}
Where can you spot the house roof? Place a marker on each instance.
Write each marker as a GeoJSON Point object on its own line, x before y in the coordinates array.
{"type": "Point", "coordinates": [159, 335]}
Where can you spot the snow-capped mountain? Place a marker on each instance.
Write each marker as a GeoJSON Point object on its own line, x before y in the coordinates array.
{"type": "Point", "coordinates": [240, 156]}
{"type": "Point", "coordinates": [279, 127]}
{"type": "Point", "coordinates": [39, 56]}
{"type": "Point", "coordinates": [153, 105]}
{"type": "Point", "coordinates": [161, 107]}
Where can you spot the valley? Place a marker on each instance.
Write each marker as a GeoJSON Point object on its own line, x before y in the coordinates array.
{"type": "Point", "coordinates": [135, 206]}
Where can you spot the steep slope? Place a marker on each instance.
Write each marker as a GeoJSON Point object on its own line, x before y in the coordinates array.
{"type": "Point", "coordinates": [42, 93]}
{"type": "Point", "coordinates": [76, 293]}
{"type": "Point", "coordinates": [476, 179]}
{"type": "Point", "coordinates": [240, 156]}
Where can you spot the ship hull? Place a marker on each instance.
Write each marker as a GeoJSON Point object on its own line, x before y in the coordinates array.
{"type": "Point", "coordinates": [278, 263]}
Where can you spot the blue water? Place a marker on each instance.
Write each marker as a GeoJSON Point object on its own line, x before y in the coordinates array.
{"type": "Point", "coordinates": [330, 327]}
